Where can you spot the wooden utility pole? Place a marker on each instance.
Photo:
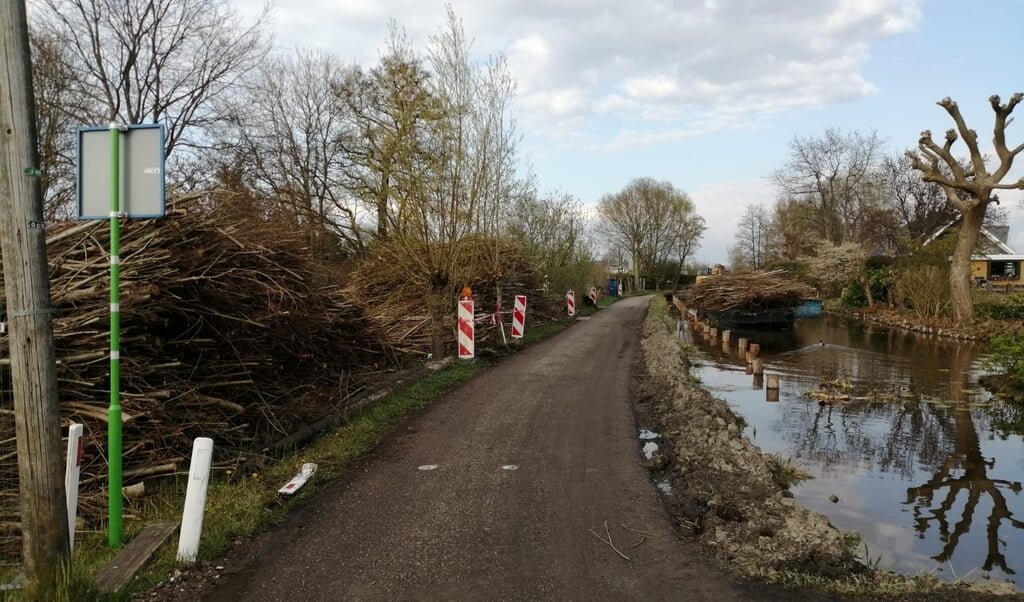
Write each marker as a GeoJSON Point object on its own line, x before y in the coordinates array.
{"type": "Point", "coordinates": [44, 519]}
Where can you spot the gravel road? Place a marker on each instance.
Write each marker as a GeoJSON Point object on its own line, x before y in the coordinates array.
{"type": "Point", "coordinates": [502, 490]}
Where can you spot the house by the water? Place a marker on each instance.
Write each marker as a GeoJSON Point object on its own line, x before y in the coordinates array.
{"type": "Point", "coordinates": [995, 264]}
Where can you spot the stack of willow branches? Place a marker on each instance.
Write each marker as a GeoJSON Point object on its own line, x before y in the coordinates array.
{"type": "Point", "coordinates": [750, 291]}
{"type": "Point", "coordinates": [400, 288]}
{"type": "Point", "coordinates": [229, 330]}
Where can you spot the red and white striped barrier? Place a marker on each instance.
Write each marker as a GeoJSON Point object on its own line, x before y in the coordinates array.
{"type": "Point", "coordinates": [570, 302]}
{"type": "Point", "coordinates": [466, 329]}
{"type": "Point", "coordinates": [519, 317]}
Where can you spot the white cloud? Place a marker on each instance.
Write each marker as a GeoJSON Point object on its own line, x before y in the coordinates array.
{"type": "Point", "coordinates": [667, 64]}
{"type": "Point", "coordinates": [721, 205]}
{"type": "Point", "coordinates": [659, 87]}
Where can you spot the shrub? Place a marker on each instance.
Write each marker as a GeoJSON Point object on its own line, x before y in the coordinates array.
{"type": "Point", "coordinates": [1002, 307]}
{"type": "Point", "coordinates": [853, 296]}
{"type": "Point", "coordinates": [924, 290]}
{"type": "Point", "coordinates": [1006, 356]}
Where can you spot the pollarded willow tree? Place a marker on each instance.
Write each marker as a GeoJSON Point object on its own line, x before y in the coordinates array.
{"type": "Point", "coordinates": [970, 187]}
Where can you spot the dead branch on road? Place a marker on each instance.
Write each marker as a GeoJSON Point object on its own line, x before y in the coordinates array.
{"type": "Point", "coordinates": [609, 541]}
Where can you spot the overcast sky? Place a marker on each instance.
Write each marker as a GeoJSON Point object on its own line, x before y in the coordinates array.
{"type": "Point", "coordinates": [706, 94]}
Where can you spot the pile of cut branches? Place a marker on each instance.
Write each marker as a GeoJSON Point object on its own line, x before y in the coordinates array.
{"type": "Point", "coordinates": [750, 291]}
{"type": "Point", "coordinates": [229, 330]}
{"type": "Point", "coordinates": [398, 289]}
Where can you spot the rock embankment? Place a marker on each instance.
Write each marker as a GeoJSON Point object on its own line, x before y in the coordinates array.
{"type": "Point", "coordinates": [719, 485]}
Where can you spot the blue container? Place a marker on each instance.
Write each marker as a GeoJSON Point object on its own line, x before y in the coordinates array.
{"type": "Point", "coordinates": [613, 288]}
{"type": "Point", "coordinates": [810, 308]}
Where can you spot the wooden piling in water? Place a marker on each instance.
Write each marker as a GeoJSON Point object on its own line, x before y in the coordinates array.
{"type": "Point", "coordinates": [772, 381]}
{"type": "Point", "coordinates": [726, 336]}
{"type": "Point", "coordinates": [757, 366]}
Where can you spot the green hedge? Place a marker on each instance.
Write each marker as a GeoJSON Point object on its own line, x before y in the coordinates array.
{"type": "Point", "coordinates": [1003, 307]}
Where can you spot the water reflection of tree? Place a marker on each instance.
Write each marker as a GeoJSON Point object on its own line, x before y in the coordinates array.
{"type": "Point", "coordinates": [965, 470]}
{"type": "Point", "coordinates": [933, 432]}
{"type": "Point", "coordinates": [916, 436]}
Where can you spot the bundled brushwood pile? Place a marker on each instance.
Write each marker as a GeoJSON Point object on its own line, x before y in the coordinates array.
{"type": "Point", "coordinates": [398, 290]}
{"type": "Point", "coordinates": [229, 330]}
{"type": "Point", "coordinates": [750, 291]}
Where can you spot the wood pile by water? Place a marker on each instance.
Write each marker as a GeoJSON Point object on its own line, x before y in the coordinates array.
{"type": "Point", "coordinates": [748, 291]}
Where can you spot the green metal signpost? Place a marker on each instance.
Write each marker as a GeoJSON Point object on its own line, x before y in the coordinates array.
{"type": "Point", "coordinates": [138, 171]}
{"type": "Point", "coordinates": [116, 504]}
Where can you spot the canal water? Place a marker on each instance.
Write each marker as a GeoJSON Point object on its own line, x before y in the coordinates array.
{"type": "Point", "coordinates": [909, 452]}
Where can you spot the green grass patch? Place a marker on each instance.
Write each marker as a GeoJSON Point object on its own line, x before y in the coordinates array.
{"type": "Point", "coordinates": [785, 473]}
{"type": "Point", "coordinates": [661, 310]}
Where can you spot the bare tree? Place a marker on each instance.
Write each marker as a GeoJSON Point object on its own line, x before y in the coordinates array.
{"type": "Point", "coordinates": [833, 177]}
{"type": "Point", "coordinates": [553, 229]}
{"type": "Point", "coordinates": [152, 61]}
{"type": "Point", "coordinates": [921, 207]}
{"type": "Point", "coordinates": [938, 164]}
{"type": "Point", "coordinates": [283, 129]}
{"type": "Point", "coordinates": [56, 106]}
{"type": "Point", "coordinates": [689, 232]}
{"type": "Point", "coordinates": [645, 218]}
{"type": "Point", "coordinates": [753, 233]}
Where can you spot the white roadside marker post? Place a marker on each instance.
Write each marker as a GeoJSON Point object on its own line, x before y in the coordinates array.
{"type": "Point", "coordinates": [72, 473]}
{"type": "Point", "coordinates": [195, 499]}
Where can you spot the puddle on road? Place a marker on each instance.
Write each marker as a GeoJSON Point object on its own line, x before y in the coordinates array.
{"type": "Point", "coordinates": [510, 467]}
{"type": "Point", "coordinates": [664, 486]}
{"type": "Point", "coordinates": [649, 449]}
{"type": "Point", "coordinates": [646, 435]}
{"type": "Point", "coordinates": [427, 467]}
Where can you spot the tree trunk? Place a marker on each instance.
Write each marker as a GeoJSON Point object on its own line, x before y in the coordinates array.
{"type": "Point", "coordinates": [437, 327]}
{"type": "Point", "coordinates": [867, 293]}
{"type": "Point", "coordinates": [636, 272]}
{"type": "Point", "coordinates": [960, 286]}
{"type": "Point", "coordinates": [44, 516]}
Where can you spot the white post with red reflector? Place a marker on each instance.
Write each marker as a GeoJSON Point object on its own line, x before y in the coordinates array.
{"type": "Point", "coordinates": [466, 329]}
{"type": "Point", "coordinates": [72, 474]}
{"type": "Point", "coordinates": [519, 317]}
{"type": "Point", "coordinates": [570, 303]}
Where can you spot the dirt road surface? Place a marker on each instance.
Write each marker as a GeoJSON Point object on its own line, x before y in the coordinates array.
{"type": "Point", "coordinates": [499, 491]}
